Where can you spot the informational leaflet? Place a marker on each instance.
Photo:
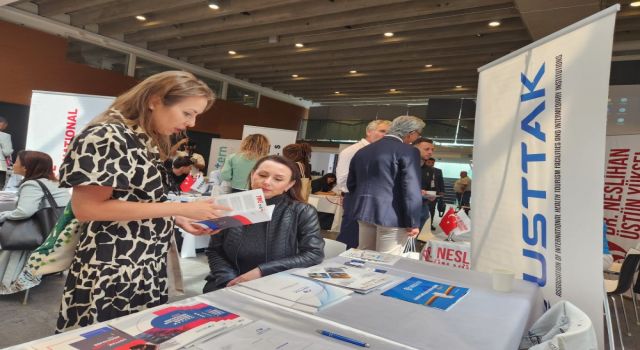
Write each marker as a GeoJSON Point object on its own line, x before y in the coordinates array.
{"type": "Point", "coordinates": [248, 207]}
{"type": "Point", "coordinates": [268, 336]}
{"type": "Point", "coordinates": [102, 337]}
{"type": "Point", "coordinates": [174, 326]}
{"type": "Point", "coordinates": [432, 294]}
{"type": "Point", "coordinates": [298, 293]}
{"type": "Point", "coordinates": [355, 278]}
{"type": "Point", "coordinates": [371, 256]}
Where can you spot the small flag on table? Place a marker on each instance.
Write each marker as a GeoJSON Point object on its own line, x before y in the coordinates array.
{"type": "Point", "coordinates": [455, 223]}
{"type": "Point", "coordinates": [187, 183]}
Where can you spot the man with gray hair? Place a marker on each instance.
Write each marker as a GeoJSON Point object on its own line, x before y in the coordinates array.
{"type": "Point", "coordinates": [384, 188]}
{"type": "Point", "coordinates": [376, 130]}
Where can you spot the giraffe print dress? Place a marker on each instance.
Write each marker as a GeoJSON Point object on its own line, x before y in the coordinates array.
{"type": "Point", "coordinates": [119, 267]}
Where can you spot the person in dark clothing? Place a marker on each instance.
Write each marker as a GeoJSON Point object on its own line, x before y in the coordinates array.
{"type": "Point", "coordinates": [291, 239]}
{"type": "Point", "coordinates": [324, 184]}
{"type": "Point", "coordinates": [178, 170]}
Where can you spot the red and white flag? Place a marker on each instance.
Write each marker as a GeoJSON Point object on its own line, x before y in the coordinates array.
{"type": "Point", "coordinates": [455, 223]}
{"type": "Point", "coordinates": [187, 183]}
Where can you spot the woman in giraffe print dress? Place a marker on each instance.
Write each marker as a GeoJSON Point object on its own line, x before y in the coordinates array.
{"type": "Point", "coordinates": [119, 183]}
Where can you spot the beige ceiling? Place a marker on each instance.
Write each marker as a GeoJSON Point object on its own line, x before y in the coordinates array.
{"type": "Point", "coordinates": [339, 36]}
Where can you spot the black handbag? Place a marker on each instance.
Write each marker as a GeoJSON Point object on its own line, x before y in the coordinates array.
{"type": "Point", "coordinates": [28, 234]}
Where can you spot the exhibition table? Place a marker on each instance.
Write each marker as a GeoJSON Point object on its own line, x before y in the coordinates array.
{"type": "Point", "coordinates": [483, 319]}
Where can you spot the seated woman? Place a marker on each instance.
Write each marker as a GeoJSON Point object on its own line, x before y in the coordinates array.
{"type": "Point", "coordinates": [324, 185]}
{"type": "Point", "coordinates": [178, 170]}
{"type": "Point", "coordinates": [291, 239]}
{"type": "Point", "coordinates": [33, 166]}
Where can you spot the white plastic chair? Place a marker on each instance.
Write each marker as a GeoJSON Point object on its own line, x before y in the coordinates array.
{"type": "Point", "coordinates": [333, 248]}
{"type": "Point", "coordinates": [563, 327]}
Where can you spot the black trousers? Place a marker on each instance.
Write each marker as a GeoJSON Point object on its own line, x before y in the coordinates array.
{"type": "Point", "coordinates": [3, 179]}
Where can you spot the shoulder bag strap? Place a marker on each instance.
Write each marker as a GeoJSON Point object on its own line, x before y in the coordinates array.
{"type": "Point", "coordinates": [47, 194]}
{"type": "Point", "coordinates": [301, 167]}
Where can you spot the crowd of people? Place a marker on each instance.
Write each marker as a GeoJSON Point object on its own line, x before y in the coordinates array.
{"type": "Point", "coordinates": [122, 166]}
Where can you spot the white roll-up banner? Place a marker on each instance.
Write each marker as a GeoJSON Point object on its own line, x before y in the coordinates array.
{"type": "Point", "coordinates": [539, 153]}
{"type": "Point", "coordinates": [622, 193]}
{"type": "Point", "coordinates": [278, 138]}
{"type": "Point", "coordinates": [56, 117]}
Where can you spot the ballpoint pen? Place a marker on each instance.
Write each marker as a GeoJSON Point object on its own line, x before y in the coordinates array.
{"type": "Point", "coordinates": [343, 338]}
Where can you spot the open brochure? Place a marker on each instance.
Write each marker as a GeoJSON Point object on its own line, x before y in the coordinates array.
{"type": "Point", "coordinates": [437, 295]}
{"type": "Point", "coordinates": [292, 291]}
{"type": "Point", "coordinates": [176, 325]}
{"type": "Point", "coordinates": [248, 207]}
{"type": "Point", "coordinates": [371, 256]}
{"type": "Point", "coordinates": [355, 278]}
{"type": "Point", "coordinates": [268, 336]}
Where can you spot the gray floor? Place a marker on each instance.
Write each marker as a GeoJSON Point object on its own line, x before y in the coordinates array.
{"type": "Point", "coordinates": [21, 323]}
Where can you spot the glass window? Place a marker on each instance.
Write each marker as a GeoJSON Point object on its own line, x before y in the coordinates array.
{"type": "Point", "coordinates": [97, 56]}
{"type": "Point", "coordinates": [146, 68]}
{"type": "Point", "coordinates": [242, 96]}
{"type": "Point", "coordinates": [214, 85]}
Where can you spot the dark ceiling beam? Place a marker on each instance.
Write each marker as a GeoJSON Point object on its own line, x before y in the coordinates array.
{"type": "Point", "coordinates": [385, 74]}
{"type": "Point", "coordinates": [364, 66]}
{"type": "Point", "coordinates": [469, 30]}
{"type": "Point", "coordinates": [306, 10]}
{"type": "Point", "coordinates": [128, 9]}
{"type": "Point", "coordinates": [369, 29]}
{"type": "Point", "coordinates": [371, 15]}
{"type": "Point", "coordinates": [164, 18]}
{"type": "Point", "coordinates": [359, 81]}
{"type": "Point", "coordinates": [543, 17]}
{"type": "Point", "coordinates": [429, 48]}
{"type": "Point", "coordinates": [59, 7]}
{"type": "Point", "coordinates": [383, 86]}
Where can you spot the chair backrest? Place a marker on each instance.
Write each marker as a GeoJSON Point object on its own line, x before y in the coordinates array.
{"type": "Point", "coordinates": [333, 248]}
{"type": "Point", "coordinates": [563, 327]}
{"type": "Point", "coordinates": [627, 271]}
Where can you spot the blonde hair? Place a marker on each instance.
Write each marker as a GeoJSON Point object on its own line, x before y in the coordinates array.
{"type": "Point", "coordinates": [254, 146]}
{"type": "Point", "coordinates": [375, 123]}
{"type": "Point", "coordinates": [171, 87]}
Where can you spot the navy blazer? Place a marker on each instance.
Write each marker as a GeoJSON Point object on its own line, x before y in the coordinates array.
{"type": "Point", "coordinates": [384, 184]}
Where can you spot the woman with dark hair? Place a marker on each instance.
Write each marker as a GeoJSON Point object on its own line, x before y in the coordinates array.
{"type": "Point", "coordinates": [299, 153]}
{"type": "Point", "coordinates": [291, 239]}
{"type": "Point", "coordinates": [178, 170]}
{"type": "Point", "coordinates": [324, 185]}
{"type": "Point", "coordinates": [33, 166]}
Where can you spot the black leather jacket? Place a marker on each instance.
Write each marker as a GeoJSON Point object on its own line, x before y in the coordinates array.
{"type": "Point", "coordinates": [292, 240]}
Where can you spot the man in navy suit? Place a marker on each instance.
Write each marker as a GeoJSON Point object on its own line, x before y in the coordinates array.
{"type": "Point", "coordinates": [384, 186]}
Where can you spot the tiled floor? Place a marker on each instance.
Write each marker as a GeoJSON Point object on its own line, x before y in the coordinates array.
{"type": "Point", "coordinates": [21, 323]}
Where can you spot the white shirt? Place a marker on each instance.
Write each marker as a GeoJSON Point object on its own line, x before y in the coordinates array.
{"type": "Point", "coordinates": [344, 159]}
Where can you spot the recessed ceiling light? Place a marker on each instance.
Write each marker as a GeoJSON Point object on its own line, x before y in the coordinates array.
{"type": "Point", "coordinates": [299, 45]}
{"type": "Point", "coordinates": [337, 92]}
{"type": "Point", "coordinates": [635, 4]}
{"type": "Point", "coordinates": [458, 86]}
{"type": "Point", "coordinates": [353, 71]}
{"type": "Point", "coordinates": [294, 75]}
{"type": "Point", "coordinates": [392, 90]}
{"type": "Point", "coordinates": [620, 120]}
{"type": "Point", "coordinates": [231, 52]}
{"type": "Point", "coordinates": [141, 18]}
{"type": "Point", "coordinates": [428, 65]}
{"type": "Point", "coordinates": [214, 5]}
{"type": "Point", "coordinates": [388, 34]}
{"type": "Point", "coordinates": [494, 24]}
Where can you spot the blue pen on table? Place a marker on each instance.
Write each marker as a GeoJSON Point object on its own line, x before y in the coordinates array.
{"type": "Point", "coordinates": [343, 338]}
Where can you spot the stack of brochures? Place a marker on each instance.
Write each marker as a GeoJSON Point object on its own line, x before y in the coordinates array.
{"type": "Point", "coordinates": [437, 295]}
{"type": "Point", "coordinates": [248, 207]}
{"type": "Point", "coordinates": [174, 326]}
{"type": "Point", "coordinates": [358, 279]}
{"type": "Point", "coordinates": [371, 256]}
{"type": "Point", "coordinates": [163, 327]}
{"type": "Point", "coordinates": [292, 291]}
